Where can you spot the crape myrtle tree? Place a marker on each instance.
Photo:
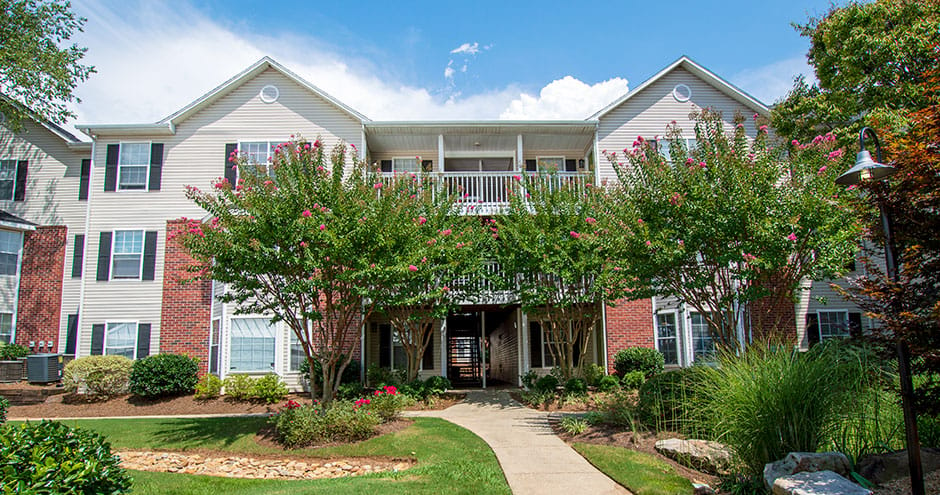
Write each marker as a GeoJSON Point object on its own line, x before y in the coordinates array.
{"type": "Point", "coordinates": [438, 263]}
{"type": "Point", "coordinates": [730, 221]}
{"type": "Point", "coordinates": [303, 241]}
{"type": "Point", "coordinates": [554, 256]}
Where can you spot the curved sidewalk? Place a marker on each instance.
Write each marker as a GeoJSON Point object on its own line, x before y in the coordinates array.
{"type": "Point", "coordinates": [534, 460]}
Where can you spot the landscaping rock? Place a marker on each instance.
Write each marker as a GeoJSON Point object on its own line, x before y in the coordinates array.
{"type": "Point", "coordinates": [702, 489]}
{"type": "Point", "coordinates": [703, 455]}
{"type": "Point", "coordinates": [817, 483]}
{"type": "Point", "coordinates": [799, 462]}
{"type": "Point", "coordinates": [881, 468]}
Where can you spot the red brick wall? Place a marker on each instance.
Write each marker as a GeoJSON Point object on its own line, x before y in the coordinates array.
{"type": "Point", "coordinates": [629, 324]}
{"type": "Point", "coordinates": [774, 318]}
{"type": "Point", "coordinates": [40, 296]}
{"type": "Point", "coordinates": [185, 317]}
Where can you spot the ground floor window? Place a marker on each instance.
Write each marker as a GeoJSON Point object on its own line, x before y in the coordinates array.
{"type": "Point", "coordinates": [120, 339]}
{"type": "Point", "coordinates": [399, 357]}
{"type": "Point", "coordinates": [666, 337]}
{"type": "Point", "coordinates": [703, 347]}
{"type": "Point", "coordinates": [252, 345]}
{"type": "Point", "coordinates": [833, 325]}
{"type": "Point", "coordinates": [6, 327]}
{"type": "Point", "coordinates": [297, 355]}
{"type": "Point", "coordinates": [214, 338]}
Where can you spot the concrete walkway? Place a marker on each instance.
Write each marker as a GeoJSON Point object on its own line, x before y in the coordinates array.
{"type": "Point", "coordinates": [533, 458]}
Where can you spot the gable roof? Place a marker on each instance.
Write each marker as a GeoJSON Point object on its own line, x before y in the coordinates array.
{"type": "Point", "coordinates": [168, 125]}
{"type": "Point", "coordinates": [68, 137]}
{"type": "Point", "coordinates": [14, 222]}
{"type": "Point", "coordinates": [708, 76]}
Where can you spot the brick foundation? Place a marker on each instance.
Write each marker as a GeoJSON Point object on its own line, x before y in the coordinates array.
{"type": "Point", "coordinates": [40, 294]}
{"type": "Point", "coordinates": [185, 317]}
{"type": "Point", "coordinates": [629, 324]}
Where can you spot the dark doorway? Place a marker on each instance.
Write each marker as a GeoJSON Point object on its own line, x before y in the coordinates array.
{"type": "Point", "coordinates": [464, 359]}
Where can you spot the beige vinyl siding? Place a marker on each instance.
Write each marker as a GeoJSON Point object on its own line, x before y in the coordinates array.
{"type": "Point", "coordinates": [504, 352]}
{"type": "Point", "coordinates": [648, 112]}
{"type": "Point", "coordinates": [371, 347]}
{"type": "Point", "coordinates": [193, 156]}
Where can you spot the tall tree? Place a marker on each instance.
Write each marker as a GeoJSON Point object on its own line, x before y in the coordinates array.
{"type": "Point", "coordinates": [37, 73]}
{"type": "Point", "coordinates": [730, 221]}
{"type": "Point", "coordinates": [870, 59]}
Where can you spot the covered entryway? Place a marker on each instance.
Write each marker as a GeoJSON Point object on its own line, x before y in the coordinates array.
{"type": "Point", "coordinates": [465, 349]}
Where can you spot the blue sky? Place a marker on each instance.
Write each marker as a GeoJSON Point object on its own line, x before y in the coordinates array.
{"type": "Point", "coordinates": [433, 60]}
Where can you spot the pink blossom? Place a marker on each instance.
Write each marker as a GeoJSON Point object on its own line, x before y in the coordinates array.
{"type": "Point", "coordinates": [762, 128]}
{"type": "Point", "coordinates": [702, 164]}
{"type": "Point", "coordinates": [590, 220]}
{"type": "Point", "coordinates": [446, 232]}
{"type": "Point", "coordinates": [424, 259]}
{"type": "Point", "coordinates": [689, 161]}
{"type": "Point", "coordinates": [516, 178]}
{"type": "Point", "coordinates": [322, 227]}
{"type": "Point", "coordinates": [755, 116]}
{"type": "Point", "coordinates": [303, 244]}
{"type": "Point", "coordinates": [648, 243]}
{"type": "Point", "coordinates": [795, 142]}
{"type": "Point", "coordinates": [675, 199]}
{"type": "Point", "coordinates": [575, 234]}
{"type": "Point", "coordinates": [822, 170]}
{"type": "Point", "coordinates": [835, 155]}
{"type": "Point", "coordinates": [791, 237]}
{"type": "Point", "coordinates": [378, 185]}
{"type": "Point", "coordinates": [306, 214]}
{"type": "Point", "coordinates": [445, 288]}
{"type": "Point", "coordinates": [422, 220]}
{"type": "Point", "coordinates": [748, 257]}
{"type": "Point", "coordinates": [412, 268]}
{"type": "Point", "coordinates": [640, 221]}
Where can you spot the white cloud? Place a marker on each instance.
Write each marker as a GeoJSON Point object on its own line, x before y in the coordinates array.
{"type": "Point", "coordinates": [565, 98]}
{"type": "Point", "coordinates": [772, 82]}
{"type": "Point", "coordinates": [468, 48]}
{"type": "Point", "coordinates": [153, 59]}
{"type": "Point", "coordinates": [448, 72]}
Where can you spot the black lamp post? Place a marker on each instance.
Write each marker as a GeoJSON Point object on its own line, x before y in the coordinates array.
{"type": "Point", "coordinates": [864, 170]}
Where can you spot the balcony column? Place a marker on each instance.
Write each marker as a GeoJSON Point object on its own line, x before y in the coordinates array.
{"type": "Point", "coordinates": [440, 152]}
{"type": "Point", "coordinates": [520, 162]}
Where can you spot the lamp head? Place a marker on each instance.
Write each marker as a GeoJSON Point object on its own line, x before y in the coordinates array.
{"type": "Point", "coordinates": [864, 170]}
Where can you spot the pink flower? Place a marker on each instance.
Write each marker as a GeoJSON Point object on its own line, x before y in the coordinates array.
{"type": "Point", "coordinates": [791, 237]}
{"type": "Point", "coordinates": [822, 170]}
{"type": "Point", "coordinates": [795, 142]}
{"type": "Point", "coordinates": [422, 220]}
{"type": "Point", "coordinates": [303, 244]}
{"type": "Point", "coordinates": [755, 116]}
{"type": "Point", "coordinates": [639, 221]}
{"type": "Point", "coordinates": [675, 199]}
{"type": "Point", "coordinates": [575, 234]}
{"type": "Point", "coordinates": [378, 185]}
{"type": "Point", "coordinates": [412, 268]}
{"type": "Point", "coordinates": [446, 232]}
{"type": "Point", "coordinates": [322, 227]}
{"type": "Point", "coordinates": [762, 128]}
{"type": "Point", "coordinates": [689, 161]}
{"type": "Point", "coordinates": [748, 257]}
{"type": "Point", "coordinates": [516, 178]}
{"type": "Point", "coordinates": [306, 214]}
{"type": "Point", "coordinates": [445, 288]}
{"type": "Point", "coordinates": [648, 243]}
{"type": "Point", "coordinates": [835, 155]}
{"type": "Point", "coordinates": [590, 220]}
{"type": "Point", "coordinates": [702, 164]}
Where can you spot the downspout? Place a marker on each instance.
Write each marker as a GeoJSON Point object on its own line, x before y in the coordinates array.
{"type": "Point", "coordinates": [81, 291]}
{"type": "Point", "coordinates": [604, 333]}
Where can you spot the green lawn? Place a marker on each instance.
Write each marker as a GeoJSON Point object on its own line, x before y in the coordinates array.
{"type": "Point", "coordinates": [450, 458]}
{"type": "Point", "coordinates": [641, 473]}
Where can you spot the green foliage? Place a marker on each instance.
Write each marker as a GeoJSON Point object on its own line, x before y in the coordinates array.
{"type": "Point", "coordinates": [4, 405]}
{"type": "Point", "coordinates": [239, 387]}
{"type": "Point", "coordinates": [592, 373]}
{"type": "Point", "coordinates": [670, 401]}
{"type": "Point", "coordinates": [529, 378]}
{"type": "Point", "coordinates": [438, 384]}
{"type": "Point", "coordinates": [268, 389]}
{"type": "Point", "coordinates": [928, 427]}
{"type": "Point", "coordinates": [10, 352]}
{"type": "Point", "coordinates": [547, 383]}
{"type": "Point", "coordinates": [208, 387]}
{"type": "Point", "coordinates": [342, 421]}
{"type": "Point", "coordinates": [538, 398]}
{"type": "Point", "coordinates": [163, 375]}
{"type": "Point", "coordinates": [875, 424]}
{"type": "Point", "coordinates": [378, 376]}
{"type": "Point", "coordinates": [48, 456]}
{"type": "Point", "coordinates": [350, 374]}
{"type": "Point", "coordinates": [608, 383]}
{"type": "Point", "coordinates": [388, 404]}
{"type": "Point", "coordinates": [646, 360]}
{"type": "Point", "coordinates": [575, 387]}
{"type": "Point", "coordinates": [618, 409]}
{"type": "Point", "coordinates": [39, 71]}
{"type": "Point", "coordinates": [426, 390]}
{"type": "Point", "coordinates": [573, 425]}
{"type": "Point", "coordinates": [98, 377]}
{"type": "Point", "coordinates": [633, 380]}
{"type": "Point", "coordinates": [350, 391]}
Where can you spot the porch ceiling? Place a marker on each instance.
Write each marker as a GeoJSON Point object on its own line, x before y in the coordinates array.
{"type": "Point", "coordinates": [486, 138]}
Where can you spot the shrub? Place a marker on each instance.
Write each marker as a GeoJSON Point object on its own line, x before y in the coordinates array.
{"type": "Point", "coordinates": [618, 409]}
{"type": "Point", "coordinates": [164, 375]}
{"type": "Point", "coordinates": [668, 401]}
{"type": "Point", "coordinates": [268, 389]}
{"type": "Point", "coordinates": [633, 380]}
{"type": "Point", "coordinates": [592, 373]}
{"type": "Point", "coordinates": [378, 376]}
{"type": "Point", "coordinates": [608, 383]}
{"type": "Point", "coordinates": [573, 425]}
{"type": "Point", "coordinates": [209, 387]}
{"type": "Point", "coordinates": [99, 377]}
{"type": "Point", "coordinates": [239, 387]}
{"type": "Point", "coordinates": [12, 352]}
{"type": "Point", "coordinates": [350, 391]}
{"type": "Point", "coordinates": [528, 379]}
{"type": "Point", "coordinates": [536, 398]}
{"type": "Point", "coordinates": [547, 383]}
{"type": "Point", "coordinates": [928, 427]}
{"type": "Point", "coordinates": [48, 456]}
{"type": "Point", "coordinates": [649, 361]}
{"type": "Point", "coordinates": [4, 405]}
{"type": "Point", "coordinates": [414, 389]}
{"type": "Point", "coordinates": [438, 384]}
{"type": "Point", "coordinates": [388, 404]}
{"type": "Point", "coordinates": [576, 386]}
{"type": "Point", "coordinates": [343, 421]}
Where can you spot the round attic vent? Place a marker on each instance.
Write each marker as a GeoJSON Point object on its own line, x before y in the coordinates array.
{"type": "Point", "coordinates": [269, 94]}
{"type": "Point", "coordinates": [681, 93]}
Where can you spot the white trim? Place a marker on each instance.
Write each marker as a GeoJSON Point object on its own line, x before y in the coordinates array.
{"type": "Point", "coordinates": [414, 159]}
{"type": "Point", "coordinates": [19, 227]}
{"type": "Point", "coordinates": [16, 288]}
{"type": "Point", "coordinates": [81, 288]}
{"type": "Point", "coordinates": [682, 98]}
{"type": "Point", "coordinates": [561, 169]}
{"type": "Point", "coordinates": [443, 347]}
{"type": "Point", "coordinates": [675, 322]}
{"type": "Point", "coordinates": [269, 99]}
{"type": "Point", "coordinates": [104, 339]}
{"type": "Point", "coordinates": [228, 339]}
{"type": "Point", "coordinates": [16, 169]}
{"type": "Point", "coordinates": [117, 181]}
{"type": "Point", "coordinates": [819, 333]}
{"type": "Point", "coordinates": [140, 268]}
{"type": "Point", "coordinates": [604, 333]}
{"type": "Point", "coordinates": [480, 154]}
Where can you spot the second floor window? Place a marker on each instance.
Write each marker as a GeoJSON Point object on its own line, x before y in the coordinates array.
{"type": "Point", "coordinates": [128, 254]}
{"type": "Point", "coordinates": [7, 179]}
{"type": "Point", "coordinates": [259, 155]}
{"type": "Point", "coordinates": [833, 325]}
{"type": "Point", "coordinates": [9, 251]}
{"type": "Point", "coordinates": [133, 166]}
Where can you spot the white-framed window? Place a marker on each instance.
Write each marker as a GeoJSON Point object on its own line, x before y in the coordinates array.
{"type": "Point", "coordinates": [406, 165]}
{"type": "Point", "coordinates": [551, 163]}
{"type": "Point", "coordinates": [6, 327]}
{"type": "Point", "coordinates": [667, 337]}
{"type": "Point", "coordinates": [399, 357]}
{"type": "Point", "coordinates": [120, 339]}
{"type": "Point", "coordinates": [297, 355]}
{"type": "Point", "coordinates": [703, 346]}
{"type": "Point", "coordinates": [10, 245]}
{"type": "Point", "coordinates": [663, 146]}
{"type": "Point", "coordinates": [215, 336]}
{"type": "Point", "coordinates": [127, 254]}
{"type": "Point", "coordinates": [252, 345]}
{"type": "Point", "coordinates": [259, 155]}
{"type": "Point", "coordinates": [133, 166]}
{"type": "Point", "coordinates": [833, 324]}
{"type": "Point", "coordinates": [7, 179]}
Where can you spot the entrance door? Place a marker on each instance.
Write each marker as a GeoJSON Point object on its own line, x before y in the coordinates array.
{"type": "Point", "coordinates": [464, 362]}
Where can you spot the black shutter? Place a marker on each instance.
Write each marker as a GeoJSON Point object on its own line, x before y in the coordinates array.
{"type": "Point", "coordinates": [156, 166]}
{"type": "Point", "coordinates": [231, 174]}
{"type": "Point", "coordinates": [426, 165]}
{"type": "Point", "coordinates": [427, 360]}
{"type": "Point", "coordinates": [71, 334]}
{"type": "Point", "coordinates": [83, 181]}
{"type": "Point", "coordinates": [111, 167]}
{"type": "Point", "coordinates": [385, 346]}
{"type": "Point", "coordinates": [104, 256]}
{"type": "Point", "coordinates": [19, 193]}
{"type": "Point", "coordinates": [531, 166]}
{"type": "Point", "coordinates": [855, 325]}
{"type": "Point", "coordinates": [812, 328]}
{"type": "Point", "coordinates": [150, 255]}
{"type": "Point", "coordinates": [571, 165]}
{"type": "Point", "coordinates": [97, 339]}
{"type": "Point", "coordinates": [535, 345]}
{"type": "Point", "coordinates": [78, 255]}
{"type": "Point", "coordinates": [386, 165]}
{"type": "Point", "coordinates": [143, 340]}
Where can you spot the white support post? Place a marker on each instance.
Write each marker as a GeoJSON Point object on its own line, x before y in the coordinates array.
{"type": "Point", "coordinates": [440, 152]}
{"type": "Point", "coordinates": [520, 352]}
{"type": "Point", "coordinates": [444, 347]}
{"type": "Point", "coordinates": [526, 357]}
{"type": "Point", "coordinates": [520, 162]}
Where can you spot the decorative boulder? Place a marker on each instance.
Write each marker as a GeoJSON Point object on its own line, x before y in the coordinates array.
{"type": "Point", "coordinates": [799, 462]}
{"type": "Point", "coordinates": [881, 468]}
{"type": "Point", "coordinates": [817, 483]}
{"type": "Point", "coordinates": [703, 455]}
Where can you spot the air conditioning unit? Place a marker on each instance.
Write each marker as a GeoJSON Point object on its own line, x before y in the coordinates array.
{"type": "Point", "coordinates": [44, 368]}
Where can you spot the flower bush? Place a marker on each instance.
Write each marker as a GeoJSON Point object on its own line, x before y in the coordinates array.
{"type": "Point", "coordinates": [342, 421]}
{"type": "Point", "coordinates": [163, 375]}
{"type": "Point", "coordinates": [98, 377]}
{"type": "Point", "coordinates": [387, 403]}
